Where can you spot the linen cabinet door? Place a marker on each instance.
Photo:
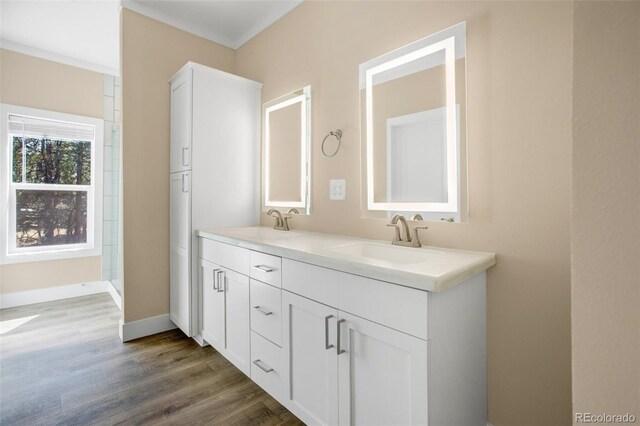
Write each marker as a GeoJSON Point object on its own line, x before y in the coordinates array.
{"type": "Point", "coordinates": [382, 374]}
{"type": "Point", "coordinates": [180, 143]}
{"type": "Point", "coordinates": [235, 289]}
{"type": "Point", "coordinates": [180, 251]}
{"type": "Point", "coordinates": [212, 305]}
{"type": "Point", "coordinates": [311, 374]}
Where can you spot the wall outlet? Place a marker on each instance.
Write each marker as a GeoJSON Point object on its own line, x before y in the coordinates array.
{"type": "Point", "coordinates": [337, 189]}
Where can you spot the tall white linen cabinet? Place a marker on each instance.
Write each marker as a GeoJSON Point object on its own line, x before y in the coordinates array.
{"type": "Point", "coordinates": [214, 173]}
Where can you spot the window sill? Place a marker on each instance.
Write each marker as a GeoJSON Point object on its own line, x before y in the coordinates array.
{"type": "Point", "coordinates": [45, 256]}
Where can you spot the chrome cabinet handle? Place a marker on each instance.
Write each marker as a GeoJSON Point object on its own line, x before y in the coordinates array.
{"type": "Point", "coordinates": [221, 285]}
{"type": "Point", "coordinates": [215, 278]}
{"type": "Point", "coordinates": [262, 311]}
{"type": "Point", "coordinates": [326, 332]}
{"type": "Point", "coordinates": [339, 350]}
{"type": "Point", "coordinates": [263, 268]}
{"type": "Point", "coordinates": [262, 367]}
{"type": "Point", "coordinates": [185, 162]}
{"type": "Point", "coordinates": [185, 186]}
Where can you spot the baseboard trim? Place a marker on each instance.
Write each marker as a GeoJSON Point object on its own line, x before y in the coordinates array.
{"type": "Point", "coordinates": [29, 297]}
{"type": "Point", "coordinates": [117, 298]}
{"type": "Point", "coordinates": [145, 327]}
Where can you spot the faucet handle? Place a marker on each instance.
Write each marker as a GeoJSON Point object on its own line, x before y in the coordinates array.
{"type": "Point", "coordinates": [417, 216]}
{"type": "Point", "coordinates": [416, 238]}
{"type": "Point", "coordinates": [397, 236]}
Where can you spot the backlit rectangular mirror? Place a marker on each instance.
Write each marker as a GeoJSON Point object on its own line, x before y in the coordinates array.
{"type": "Point", "coordinates": [413, 111]}
{"type": "Point", "coordinates": [286, 151]}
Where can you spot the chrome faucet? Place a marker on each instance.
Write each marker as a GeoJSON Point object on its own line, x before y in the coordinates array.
{"type": "Point", "coordinates": [282, 223]}
{"type": "Point", "coordinates": [409, 241]}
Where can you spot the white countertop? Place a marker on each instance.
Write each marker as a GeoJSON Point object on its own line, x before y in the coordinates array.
{"type": "Point", "coordinates": [427, 268]}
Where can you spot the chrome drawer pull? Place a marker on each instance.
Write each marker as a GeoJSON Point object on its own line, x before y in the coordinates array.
{"type": "Point", "coordinates": [221, 284]}
{"type": "Point", "coordinates": [262, 311]}
{"type": "Point", "coordinates": [259, 364]}
{"type": "Point", "coordinates": [326, 332]}
{"type": "Point", "coordinates": [215, 278]}
{"type": "Point", "coordinates": [263, 268]}
{"type": "Point", "coordinates": [185, 159]}
{"type": "Point", "coordinates": [339, 350]}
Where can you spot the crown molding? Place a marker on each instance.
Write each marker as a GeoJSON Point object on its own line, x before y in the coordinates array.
{"type": "Point", "coordinates": [207, 32]}
{"type": "Point", "coordinates": [265, 23]}
{"type": "Point", "coordinates": [56, 57]}
{"type": "Point", "coordinates": [174, 21]}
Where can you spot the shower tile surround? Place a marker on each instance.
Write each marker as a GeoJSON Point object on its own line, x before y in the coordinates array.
{"type": "Point", "coordinates": [112, 100]}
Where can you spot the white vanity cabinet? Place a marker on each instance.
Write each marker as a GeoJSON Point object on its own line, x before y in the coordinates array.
{"type": "Point", "coordinates": [311, 376]}
{"type": "Point", "coordinates": [382, 375]}
{"type": "Point", "coordinates": [345, 369]}
{"type": "Point", "coordinates": [337, 348]}
{"type": "Point", "coordinates": [225, 303]}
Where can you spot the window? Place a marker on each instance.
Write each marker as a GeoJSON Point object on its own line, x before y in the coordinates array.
{"type": "Point", "coordinates": [52, 190]}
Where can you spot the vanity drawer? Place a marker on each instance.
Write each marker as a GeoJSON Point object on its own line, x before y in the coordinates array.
{"type": "Point", "coordinates": [266, 311]}
{"type": "Point", "coordinates": [267, 365]}
{"type": "Point", "coordinates": [398, 307]}
{"type": "Point", "coordinates": [227, 255]}
{"type": "Point", "coordinates": [266, 268]}
{"type": "Point", "coordinates": [314, 282]}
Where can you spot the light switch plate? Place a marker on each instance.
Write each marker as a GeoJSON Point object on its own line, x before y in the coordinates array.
{"type": "Point", "coordinates": [337, 189]}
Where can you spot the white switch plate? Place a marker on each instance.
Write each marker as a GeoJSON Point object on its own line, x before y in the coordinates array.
{"type": "Point", "coordinates": [337, 189]}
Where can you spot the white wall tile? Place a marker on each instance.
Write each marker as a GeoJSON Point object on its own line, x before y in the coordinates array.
{"type": "Point", "coordinates": [106, 234]}
{"type": "Point", "coordinates": [108, 183]}
{"type": "Point", "coordinates": [107, 108]}
{"type": "Point", "coordinates": [108, 133]}
{"type": "Point", "coordinates": [108, 158]}
{"type": "Point", "coordinates": [107, 208]}
{"type": "Point", "coordinates": [115, 140]}
{"type": "Point", "coordinates": [108, 83]}
{"type": "Point", "coordinates": [117, 99]}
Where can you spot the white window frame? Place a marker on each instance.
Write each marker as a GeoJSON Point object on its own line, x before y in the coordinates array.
{"type": "Point", "coordinates": [9, 253]}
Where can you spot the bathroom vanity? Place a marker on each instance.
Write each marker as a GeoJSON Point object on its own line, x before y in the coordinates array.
{"type": "Point", "coordinates": [349, 331]}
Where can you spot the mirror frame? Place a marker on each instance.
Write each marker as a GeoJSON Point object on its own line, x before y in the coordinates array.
{"type": "Point", "coordinates": [453, 47]}
{"type": "Point", "coordinates": [302, 96]}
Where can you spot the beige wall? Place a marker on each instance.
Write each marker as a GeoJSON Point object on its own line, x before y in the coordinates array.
{"type": "Point", "coordinates": [519, 137]}
{"type": "Point", "coordinates": [151, 53]}
{"type": "Point", "coordinates": [38, 275]}
{"type": "Point", "coordinates": [605, 236]}
{"type": "Point", "coordinates": [38, 83]}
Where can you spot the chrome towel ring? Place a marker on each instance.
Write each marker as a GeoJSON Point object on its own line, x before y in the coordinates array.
{"type": "Point", "coordinates": [336, 134]}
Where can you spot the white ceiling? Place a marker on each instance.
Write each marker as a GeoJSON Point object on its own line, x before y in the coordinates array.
{"type": "Point", "coordinates": [85, 33]}
{"type": "Point", "coordinates": [228, 22]}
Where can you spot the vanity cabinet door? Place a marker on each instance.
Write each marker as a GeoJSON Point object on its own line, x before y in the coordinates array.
{"type": "Point", "coordinates": [382, 375]}
{"type": "Point", "coordinates": [237, 334]}
{"type": "Point", "coordinates": [311, 373]}
{"type": "Point", "coordinates": [213, 318]}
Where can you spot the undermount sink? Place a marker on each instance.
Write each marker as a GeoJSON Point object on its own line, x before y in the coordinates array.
{"type": "Point", "coordinates": [386, 253]}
